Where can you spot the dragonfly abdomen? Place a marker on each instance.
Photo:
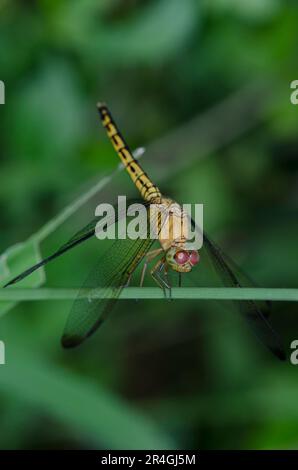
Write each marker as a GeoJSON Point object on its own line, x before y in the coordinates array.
{"type": "Point", "coordinates": [143, 183]}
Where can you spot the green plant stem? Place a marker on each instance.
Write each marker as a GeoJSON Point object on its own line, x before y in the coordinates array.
{"type": "Point", "coordinates": [186, 293]}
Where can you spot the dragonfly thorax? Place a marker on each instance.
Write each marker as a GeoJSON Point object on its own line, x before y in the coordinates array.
{"type": "Point", "coordinates": [173, 223]}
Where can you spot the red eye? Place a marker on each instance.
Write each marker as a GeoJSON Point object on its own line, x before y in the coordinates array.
{"type": "Point", "coordinates": [194, 257]}
{"type": "Point", "coordinates": [181, 257]}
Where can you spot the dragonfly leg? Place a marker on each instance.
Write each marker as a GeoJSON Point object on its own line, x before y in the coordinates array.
{"type": "Point", "coordinates": [156, 274]}
{"type": "Point", "coordinates": [166, 277]}
{"type": "Point", "coordinates": [128, 281]}
{"type": "Point", "coordinates": [156, 277]}
{"type": "Point", "coordinates": [149, 257]}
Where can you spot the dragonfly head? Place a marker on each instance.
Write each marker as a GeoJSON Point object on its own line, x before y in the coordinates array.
{"type": "Point", "coordinates": [182, 260]}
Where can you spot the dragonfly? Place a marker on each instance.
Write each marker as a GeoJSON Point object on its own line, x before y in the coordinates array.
{"type": "Point", "coordinates": [113, 270]}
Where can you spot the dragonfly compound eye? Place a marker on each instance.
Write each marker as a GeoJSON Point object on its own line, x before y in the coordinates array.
{"type": "Point", "coordinates": [181, 257]}
{"type": "Point", "coordinates": [194, 257]}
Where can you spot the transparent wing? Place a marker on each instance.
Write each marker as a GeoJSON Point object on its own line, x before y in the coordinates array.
{"type": "Point", "coordinates": [82, 235]}
{"type": "Point", "coordinates": [255, 312]}
{"type": "Point", "coordinates": [111, 273]}
{"type": "Point", "coordinates": [108, 277]}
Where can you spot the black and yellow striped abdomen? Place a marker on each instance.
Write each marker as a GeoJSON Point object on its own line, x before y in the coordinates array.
{"type": "Point", "coordinates": [148, 190]}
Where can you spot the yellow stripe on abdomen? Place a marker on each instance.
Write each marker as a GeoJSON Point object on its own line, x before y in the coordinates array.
{"type": "Point", "coordinates": [148, 190]}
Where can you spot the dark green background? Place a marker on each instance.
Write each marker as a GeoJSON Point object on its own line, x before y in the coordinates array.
{"type": "Point", "coordinates": [205, 87]}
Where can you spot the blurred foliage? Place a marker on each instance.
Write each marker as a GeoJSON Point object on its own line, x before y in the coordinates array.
{"type": "Point", "coordinates": [158, 374]}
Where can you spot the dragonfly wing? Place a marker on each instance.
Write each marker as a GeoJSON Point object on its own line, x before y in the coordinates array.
{"type": "Point", "coordinates": [111, 273]}
{"type": "Point", "coordinates": [87, 232]}
{"type": "Point", "coordinates": [254, 312]}
{"type": "Point", "coordinates": [107, 278]}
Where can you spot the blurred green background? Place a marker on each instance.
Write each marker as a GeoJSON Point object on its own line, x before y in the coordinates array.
{"type": "Point", "coordinates": [205, 87]}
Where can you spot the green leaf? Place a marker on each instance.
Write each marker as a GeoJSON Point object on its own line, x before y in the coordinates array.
{"type": "Point", "coordinates": [46, 118]}
{"type": "Point", "coordinates": [86, 408]}
{"type": "Point", "coordinates": [187, 293]}
{"type": "Point", "coordinates": [156, 34]}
